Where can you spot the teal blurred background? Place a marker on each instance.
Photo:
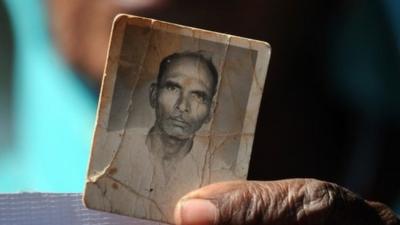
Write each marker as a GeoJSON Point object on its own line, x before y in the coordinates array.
{"type": "Point", "coordinates": [52, 110]}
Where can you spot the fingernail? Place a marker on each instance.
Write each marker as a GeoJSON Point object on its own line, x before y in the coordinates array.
{"type": "Point", "coordinates": [195, 212]}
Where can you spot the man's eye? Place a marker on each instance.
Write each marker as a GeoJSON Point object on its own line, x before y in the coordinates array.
{"type": "Point", "coordinates": [171, 88]}
{"type": "Point", "coordinates": [200, 97]}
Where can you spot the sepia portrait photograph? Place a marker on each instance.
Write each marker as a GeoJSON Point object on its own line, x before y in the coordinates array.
{"type": "Point", "coordinates": [178, 110]}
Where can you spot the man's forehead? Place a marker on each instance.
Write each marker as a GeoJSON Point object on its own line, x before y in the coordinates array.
{"type": "Point", "coordinates": [189, 67]}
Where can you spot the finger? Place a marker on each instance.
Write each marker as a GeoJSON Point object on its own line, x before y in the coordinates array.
{"type": "Point", "coordinates": [293, 201]}
{"type": "Point", "coordinates": [385, 213]}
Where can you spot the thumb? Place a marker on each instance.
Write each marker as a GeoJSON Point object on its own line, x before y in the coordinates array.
{"type": "Point", "coordinates": [292, 201]}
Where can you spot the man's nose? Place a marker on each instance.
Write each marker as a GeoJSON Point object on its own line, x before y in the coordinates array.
{"type": "Point", "coordinates": [183, 104]}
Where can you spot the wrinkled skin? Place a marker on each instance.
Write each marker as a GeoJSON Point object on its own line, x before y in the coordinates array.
{"type": "Point", "coordinates": [293, 201]}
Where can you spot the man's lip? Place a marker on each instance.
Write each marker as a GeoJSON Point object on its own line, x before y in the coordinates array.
{"type": "Point", "coordinates": [179, 121]}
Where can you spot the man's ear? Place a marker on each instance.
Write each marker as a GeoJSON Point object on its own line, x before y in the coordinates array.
{"type": "Point", "coordinates": [153, 95]}
{"type": "Point", "coordinates": [211, 113]}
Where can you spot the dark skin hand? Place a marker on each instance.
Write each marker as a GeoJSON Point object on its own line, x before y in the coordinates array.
{"type": "Point", "coordinates": [292, 201]}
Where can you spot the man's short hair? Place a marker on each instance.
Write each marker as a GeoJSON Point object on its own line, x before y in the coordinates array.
{"type": "Point", "coordinates": [194, 55]}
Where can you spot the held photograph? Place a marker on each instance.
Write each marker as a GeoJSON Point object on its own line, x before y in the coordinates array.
{"type": "Point", "coordinates": [177, 111]}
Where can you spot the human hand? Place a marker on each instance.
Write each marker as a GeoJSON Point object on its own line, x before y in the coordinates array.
{"type": "Point", "coordinates": [292, 201]}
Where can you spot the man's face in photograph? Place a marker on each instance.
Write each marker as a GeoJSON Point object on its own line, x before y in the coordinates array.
{"type": "Point", "coordinates": [182, 98]}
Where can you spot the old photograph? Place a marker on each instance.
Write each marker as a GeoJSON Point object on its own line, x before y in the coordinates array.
{"type": "Point", "coordinates": [178, 110]}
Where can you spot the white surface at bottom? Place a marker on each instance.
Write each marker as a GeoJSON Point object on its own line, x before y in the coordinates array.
{"type": "Point", "coordinates": [56, 209]}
